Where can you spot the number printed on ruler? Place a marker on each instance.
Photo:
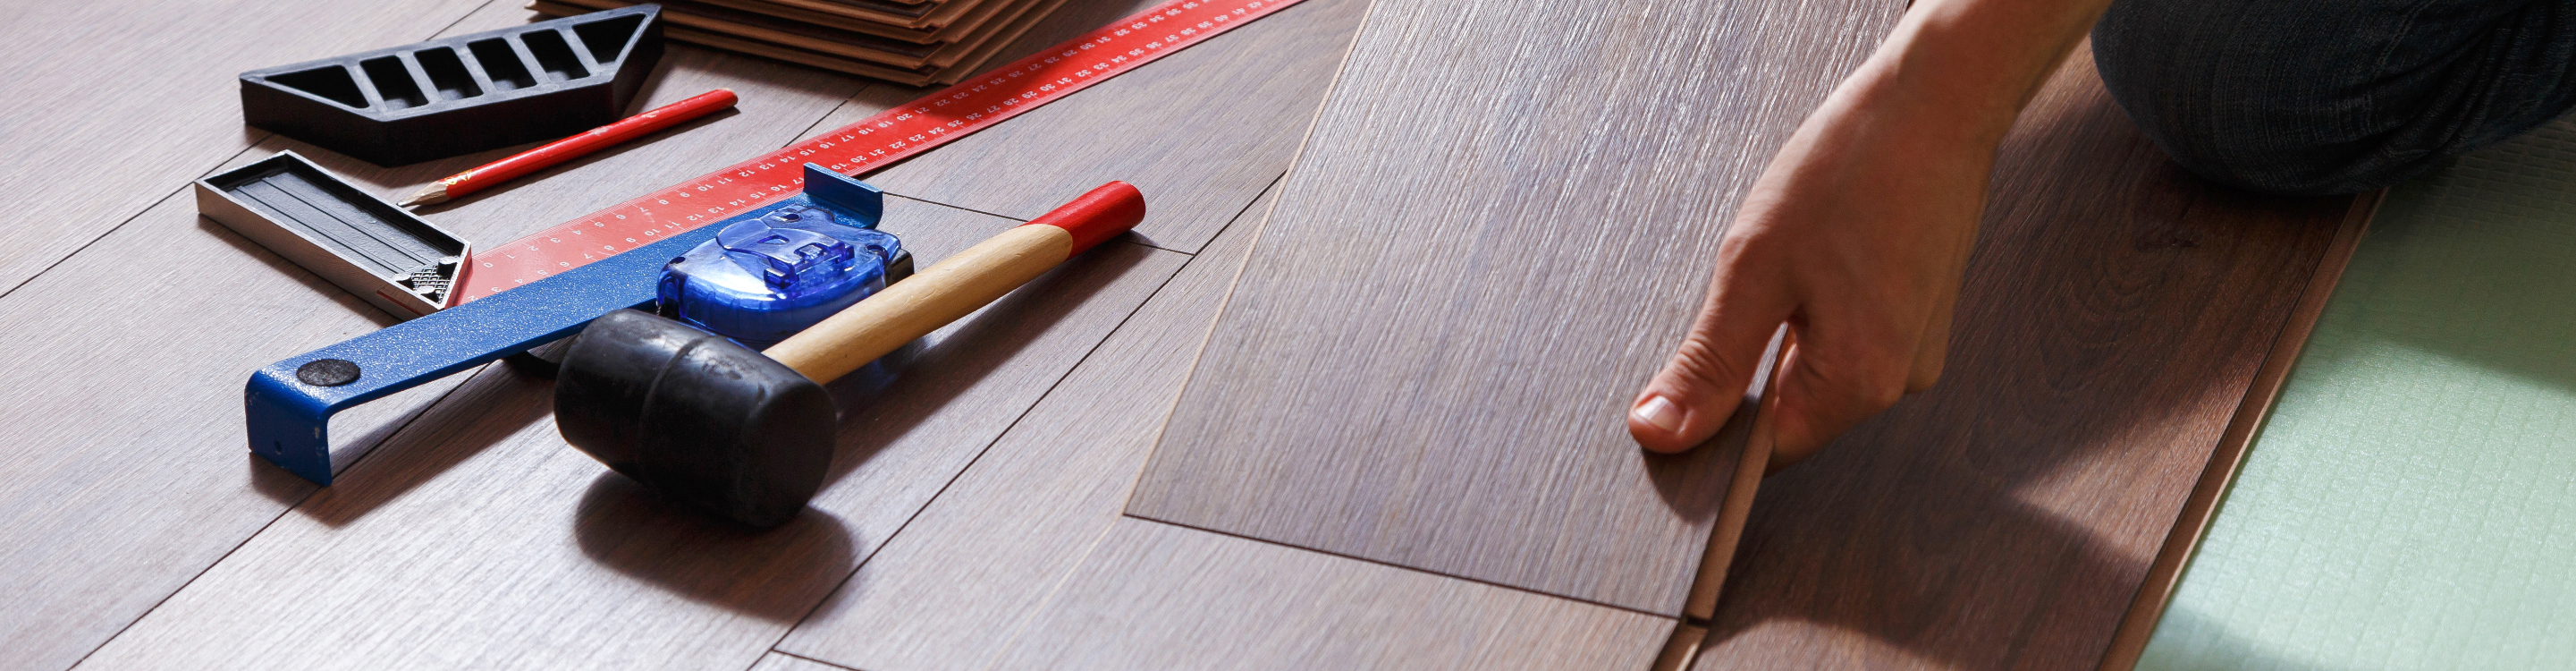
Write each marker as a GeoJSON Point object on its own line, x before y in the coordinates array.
{"type": "Point", "coordinates": [876, 141]}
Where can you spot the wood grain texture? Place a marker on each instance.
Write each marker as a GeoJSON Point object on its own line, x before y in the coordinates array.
{"type": "Point", "coordinates": [124, 461]}
{"type": "Point", "coordinates": [1201, 132]}
{"type": "Point", "coordinates": [476, 539]}
{"type": "Point", "coordinates": [778, 662]}
{"type": "Point", "coordinates": [2114, 314]}
{"type": "Point", "coordinates": [2162, 576]}
{"type": "Point", "coordinates": [112, 105]}
{"type": "Point", "coordinates": [111, 518]}
{"type": "Point", "coordinates": [982, 557]}
{"type": "Point", "coordinates": [1479, 257]}
{"type": "Point", "coordinates": [1157, 596]}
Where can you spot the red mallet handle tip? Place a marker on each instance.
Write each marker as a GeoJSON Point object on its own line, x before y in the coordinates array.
{"type": "Point", "coordinates": [1097, 216]}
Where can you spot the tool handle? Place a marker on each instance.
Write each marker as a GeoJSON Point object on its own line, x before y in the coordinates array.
{"type": "Point", "coordinates": [959, 284]}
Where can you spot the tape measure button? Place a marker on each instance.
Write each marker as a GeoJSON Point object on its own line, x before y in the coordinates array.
{"type": "Point", "coordinates": [327, 372]}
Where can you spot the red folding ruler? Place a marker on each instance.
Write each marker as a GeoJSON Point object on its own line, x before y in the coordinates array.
{"type": "Point", "coordinates": [871, 143]}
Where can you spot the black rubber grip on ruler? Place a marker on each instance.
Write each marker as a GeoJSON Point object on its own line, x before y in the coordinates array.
{"type": "Point", "coordinates": [462, 94]}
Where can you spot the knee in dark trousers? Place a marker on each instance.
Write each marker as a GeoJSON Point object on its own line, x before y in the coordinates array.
{"type": "Point", "coordinates": [2334, 96]}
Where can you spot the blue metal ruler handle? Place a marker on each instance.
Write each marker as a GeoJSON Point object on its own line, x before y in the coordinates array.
{"type": "Point", "coordinates": [290, 418]}
{"type": "Point", "coordinates": [290, 403]}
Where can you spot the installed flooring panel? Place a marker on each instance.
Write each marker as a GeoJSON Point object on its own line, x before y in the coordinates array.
{"type": "Point", "coordinates": [979, 560]}
{"type": "Point", "coordinates": [1200, 132]}
{"type": "Point", "coordinates": [110, 106]}
{"type": "Point", "coordinates": [1158, 596]}
{"type": "Point", "coordinates": [476, 539]}
{"type": "Point", "coordinates": [2411, 502]}
{"type": "Point", "coordinates": [778, 662]}
{"type": "Point", "coordinates": [2113, 315]}
{"type": "Point", "coordinates": [112, 519]}
{"type": "Point", "coordinates": [1428, 359]}
{"type": "Point", "coordinates": [126, 473]}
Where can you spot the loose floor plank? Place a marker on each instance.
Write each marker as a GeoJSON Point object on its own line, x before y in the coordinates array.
{"type": "Point", "coordinates": [1200, 132]}
{"type": "Point", "coordinates": [1157, 596]}
{"type": "Point", "coordinates": [2114, 313]}
{"type": "Point", "coordinates": [126, 465]}
{"type": "Point", "coordinates": [1479, 256]}
{"type": "Point", "coordinates": [113, 105]}
{"type": "Point", "coordinates": [982, 557]}
{"type": "Point", "coordinates": [476, 539]}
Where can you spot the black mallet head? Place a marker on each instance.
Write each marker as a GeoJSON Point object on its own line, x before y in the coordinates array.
{"type": "Point", "coordinates": [695, 417]}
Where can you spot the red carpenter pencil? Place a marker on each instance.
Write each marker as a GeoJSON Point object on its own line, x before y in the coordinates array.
{"type": "Point", "coordinates": [629, 128]}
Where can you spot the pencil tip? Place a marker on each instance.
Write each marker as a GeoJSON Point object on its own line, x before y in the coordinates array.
{"type": "Point", "coordinates": [429, 196]}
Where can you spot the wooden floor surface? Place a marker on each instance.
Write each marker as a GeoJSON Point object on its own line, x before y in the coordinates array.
{"type": "Point", "coordinates": [112, 105]}
{"type": "Point", "coordinates": [2114, 312]}
{"type": "Point", "coordinates": [1156, 596]}
{"type": "Point", "coordinates": [1036, 502]}
{"type": "Point", "coordinates": [974, 518]}
{"type": "Point", "coordinates": [1427, 360]}
{"type": "Point", "coordinates": [474, 538]}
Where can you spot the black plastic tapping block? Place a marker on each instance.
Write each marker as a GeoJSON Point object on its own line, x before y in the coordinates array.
{"type": "Point", "coordinates": [462, 94]}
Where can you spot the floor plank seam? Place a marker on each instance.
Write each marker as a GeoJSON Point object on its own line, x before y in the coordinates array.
{"type": "Point", "coordinates": [460, 18]}
{"type": "Point", "coordinates": [988, 444]}
{"type": "Point", "coordinates": [802, 135]}
{"type": "Point", "coordinates": [809, 659]}
{"type": "Point", "coordinates": [262, 136]}
{"type": "Point", "coordinates": [1489, 583]}
{"type": "Point", "coordinates": [953, 206]}
{"type": "Point", "coordinates": [138, 213]}
{"type": "Point", "coordinates": [272, 521]}
{"type": "Point", "coordinates": [1024, 412]}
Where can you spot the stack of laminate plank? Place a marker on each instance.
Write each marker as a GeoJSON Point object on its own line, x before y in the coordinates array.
{"type": "Point", "coordinates": [914, 42]}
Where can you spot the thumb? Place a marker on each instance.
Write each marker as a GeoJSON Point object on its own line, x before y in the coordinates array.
{"type": "Point", "coordinates": [1690, 399]}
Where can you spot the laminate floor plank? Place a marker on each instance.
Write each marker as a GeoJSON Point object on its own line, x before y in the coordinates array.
{"type": "Point", "coordinates": [1201, 132]}
{"type": "Point", "coordinates": [778, 662]}
{"type": "Point", "coordinates": [113, 104]}
{"type": "Point", "coordinates": [125, 472]}
{"type": "Point", "coordinates": [2113, 315]}
{"type": "Point", "coordinates": [1158, 596]}
{"type": "Point", "coordinates": [1478, 258]}
{"type": "Point", "coordinates": [476, 539]}
{"type": "Point", "coordinates": [983, 556]}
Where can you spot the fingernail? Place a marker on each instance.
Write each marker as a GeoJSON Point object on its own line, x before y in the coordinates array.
{"type": "Point", "coordinates": [1660, 412]}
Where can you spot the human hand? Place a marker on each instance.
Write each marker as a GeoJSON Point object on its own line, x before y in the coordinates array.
{"type": "Point", "coordinates": [1855, 237]}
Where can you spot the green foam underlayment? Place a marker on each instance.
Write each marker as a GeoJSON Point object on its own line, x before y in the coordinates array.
{"type": "Point", "coordinates": [2411, 503]}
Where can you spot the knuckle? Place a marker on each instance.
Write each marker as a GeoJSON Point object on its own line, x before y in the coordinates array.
{"type": "Point", "coordinates": [1700, 364]}
{"type": "Point", "coordinates": [1883, 393]}
{"type": "Point", "coordinates": [1922, 380]}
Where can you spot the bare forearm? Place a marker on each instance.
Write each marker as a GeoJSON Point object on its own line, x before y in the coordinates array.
{"type": "Point", "coordinates": [1972, 64]}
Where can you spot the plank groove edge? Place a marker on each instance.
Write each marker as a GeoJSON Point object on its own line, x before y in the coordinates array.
{"type": "Point", "coordinates": [2130, 640]}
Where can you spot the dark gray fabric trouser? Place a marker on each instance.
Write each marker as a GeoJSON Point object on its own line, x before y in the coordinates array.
{"type": "Point", "coordinates": [2334, 96]}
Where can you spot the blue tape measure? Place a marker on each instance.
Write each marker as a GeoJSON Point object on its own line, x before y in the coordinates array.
{"type": "Point", "coordinates": [289, 403]}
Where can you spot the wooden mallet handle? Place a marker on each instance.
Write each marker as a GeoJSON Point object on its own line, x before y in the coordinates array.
{"type": "Point", "coordinates": [959, 284]}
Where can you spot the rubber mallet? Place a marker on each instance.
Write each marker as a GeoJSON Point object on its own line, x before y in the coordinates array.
{"type": "Point", "coordinates": [748, 435]}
